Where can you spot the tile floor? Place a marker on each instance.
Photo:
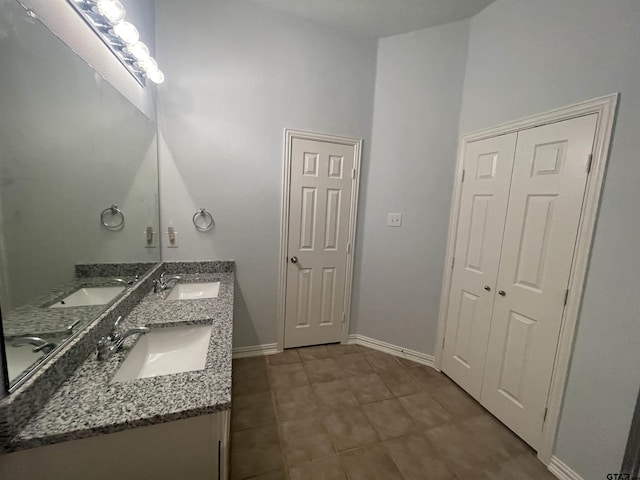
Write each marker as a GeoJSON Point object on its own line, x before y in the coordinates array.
{"type": "Point", "coordinates": [347, 412]}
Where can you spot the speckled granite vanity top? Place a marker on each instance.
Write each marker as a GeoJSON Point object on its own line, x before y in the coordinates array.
{"type": "Point", "coordinates": [87, 404]}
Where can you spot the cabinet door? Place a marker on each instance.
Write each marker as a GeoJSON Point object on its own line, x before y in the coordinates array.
{"type": "Point", "coordinates": [483, 206]}
{"type": "Point", "coordinates": [545, 202]}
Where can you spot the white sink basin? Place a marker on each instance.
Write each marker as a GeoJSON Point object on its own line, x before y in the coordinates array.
{"type": "Point", "coordinates": [89, 296]}
{"type": "Point", "coordinates": [164, 351]}
{"type": "Point", "coordinates": [194, 291]}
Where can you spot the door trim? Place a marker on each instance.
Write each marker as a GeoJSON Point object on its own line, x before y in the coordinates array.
{"type": "Point", "coordinates": [605, 107]}
{"type": "Point", "coordinates": [289, 136]}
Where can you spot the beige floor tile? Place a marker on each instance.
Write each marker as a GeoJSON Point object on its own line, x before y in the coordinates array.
{"type": "Point", "coordinates": [457, 402]}
{"type": "Point", "coordinates": [382, 361]}
{"type": "Point", "coordinates": [462, 451]}
{"type": "Point", "coordinates": [314, 353]}
{"type": "Point", "coordinates": [336, 349]}
{"type": "Point", "coordinates": [523, 467]}
{"type": "Point", "coordinates": [424, 410]}
{"type": "Point", "coordinates": [249, 375]}
{"type": "Point", "coordinates": [497, 437]}
{"type": "Point", "coordinates": [324, 370]}
{"type": "Point", "coordinates": [304, 440]}
{"type": "Point", "coordinates": [408, 363]}
{"type": "Point", "coordinates": [389, 418]}
{"type": "Point", "coordinates": [328, 468]}
{"type": "Point", "coordinates": [255, 451]}
{"type": "Point", "coordinates": [429, 378]}
{"type": "Point", "coordinates": [335, 395]}
{"type": "Point", "coordinates": [353, 364]}
{"type": "Point", "coordinates": [287, 376]}
{"type": "Point", "coordinates": [277, 475]}
{"type": "Point", "coordinates": [296, 402]}
{"type": "Point", "coordinates": [350, 428]}
{"type": "Point", "coordinates": [370, 463]}
{"type": "Point", "coordinates": [285, 357]}
{"type": "Point", "coordinates": [400, 382]}
{"type": "Point", "coordinates": [369, 388]}
{"type": "Point", "coordinates": [252, 410]}
{"type": "Point", "coordinates": [417, 459]}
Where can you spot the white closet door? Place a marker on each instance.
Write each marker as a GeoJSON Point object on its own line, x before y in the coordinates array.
{"type": "Point", "coordinates": [547, 190]}
{"type": "Point", "coordinates": [483, 206]}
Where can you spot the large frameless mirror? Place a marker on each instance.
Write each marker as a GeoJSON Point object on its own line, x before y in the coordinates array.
{"type": "Point", "coordinates": [78, 189]}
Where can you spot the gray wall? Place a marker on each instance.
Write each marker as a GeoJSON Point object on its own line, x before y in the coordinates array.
{"type": "Point", "coordinates": [238, 74]}
{"type": "Point", "coordinates": [526, 57]}
{"type": "Point", "coordinates": [398, 272]}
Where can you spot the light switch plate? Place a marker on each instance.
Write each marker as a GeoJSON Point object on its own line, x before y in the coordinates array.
{"type": "Point", "coordinates": [394, 219]}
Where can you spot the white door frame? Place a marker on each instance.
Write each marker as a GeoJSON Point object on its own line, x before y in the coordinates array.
{"type": "Point", "coordinates": [356, 143]}
{"type": "Point", "coordinates": [605, 107]}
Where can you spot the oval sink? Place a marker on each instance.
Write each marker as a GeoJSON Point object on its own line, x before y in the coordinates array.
{"type": "Point", "coordinates": [164, 351]}
{"type": "Point", "coordinates": [194, 291]}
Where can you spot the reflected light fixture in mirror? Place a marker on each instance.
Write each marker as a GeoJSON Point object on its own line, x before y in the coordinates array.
{"type": "Point", "coordinates": [107, 19]}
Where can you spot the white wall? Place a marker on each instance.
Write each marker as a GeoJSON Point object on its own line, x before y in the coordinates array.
{"type": "Point", "coordinates": [238, 74]}
{"type": "Point", "coordinates": [398, 272]}
{"type": "Point", "coordinates": [526, 57]}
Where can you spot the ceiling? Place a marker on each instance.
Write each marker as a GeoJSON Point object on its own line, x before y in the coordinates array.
{"type": "Point", "coordinates": [380, 18]}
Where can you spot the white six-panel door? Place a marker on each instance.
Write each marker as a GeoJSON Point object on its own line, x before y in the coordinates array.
{"type": "Point", "coordinates": [322, 179]}
{"type": "Point", "coordinates": [547, 190]}
{"type": "Point", "coordinates": [517, 229]}
{"type": "Point", "coordinates": [487, 174]}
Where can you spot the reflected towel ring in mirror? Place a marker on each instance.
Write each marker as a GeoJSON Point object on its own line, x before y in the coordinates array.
{"type": "Point", "coordinates": [112, 218]}
{"type": "Point", "coordinates": [203, 220]}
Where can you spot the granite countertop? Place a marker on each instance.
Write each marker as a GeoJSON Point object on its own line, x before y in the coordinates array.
{"type": "Point", "coordinates": [87, 404]}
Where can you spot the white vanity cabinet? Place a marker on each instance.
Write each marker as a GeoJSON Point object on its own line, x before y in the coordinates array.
{"type": "Point", "coordinates": [195, 448]}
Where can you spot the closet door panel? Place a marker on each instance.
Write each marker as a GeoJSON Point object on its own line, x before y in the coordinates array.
{"type": "Point", "coordinates": [488, 165]}
{"type": "Point", "coordinates": [545, 202]}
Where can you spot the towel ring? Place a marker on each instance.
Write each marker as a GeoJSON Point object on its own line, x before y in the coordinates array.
{"type": "Point", "coordinates": [112, 212]}
{"type": "Point", "coordinates": [209, 223]}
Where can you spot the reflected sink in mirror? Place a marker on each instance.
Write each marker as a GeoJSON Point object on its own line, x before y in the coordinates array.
{"type": "Point", "coordinates": [22, 355]}
{"type": "Point", "coordinates": [89, 296]}
{"type": "Point", "coordinates": [194, 291]}
{"type": "Point", "coordinates": [164, 351]}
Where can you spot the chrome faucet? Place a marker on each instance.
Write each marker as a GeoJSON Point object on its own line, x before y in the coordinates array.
{"type": "Point", "coordinates": [109, 345]}
{"type": "Point", "coordinates": [41, 344]}
{"type": "Point", "coordinates": [162, 283]}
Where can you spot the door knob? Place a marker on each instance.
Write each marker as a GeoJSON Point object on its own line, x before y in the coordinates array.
{"type": "Point", "coordinates": [501, 293]}
{"type": "Point", "coordinates": [487, 288]}
{"type": "Point", "coordinates": [294, 259]}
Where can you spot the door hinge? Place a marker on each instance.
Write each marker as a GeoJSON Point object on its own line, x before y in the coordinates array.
{"type": "Point", "coordinates": [443, 342]}
{"type": "Point", "coordinates": [343, 317]}
{"type": "Point", "coordinates": [566, 296]}
{"type": "Point", "coordinates": [353, 173]}
{"type": "Point", "coordinates": [453, 262]}
{"type": "Point", "coordinates": [348, 247]}
{"type": "Point", "coordinates": [463, 172]}
{"type": "Point", "coordinates": [544, 417]}
{"type": "Point", "coordinates": [589, 161]}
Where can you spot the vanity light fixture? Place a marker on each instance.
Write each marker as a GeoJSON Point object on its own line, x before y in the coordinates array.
{"type": "Point", "coordinates": [107, 19]}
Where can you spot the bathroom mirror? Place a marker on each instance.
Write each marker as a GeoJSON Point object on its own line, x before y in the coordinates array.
{"type": "Point", "coordinates": [71, 147]}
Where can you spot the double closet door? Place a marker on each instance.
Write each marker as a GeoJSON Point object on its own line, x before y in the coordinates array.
{"type": "Point", "coordinates": [520, 209]}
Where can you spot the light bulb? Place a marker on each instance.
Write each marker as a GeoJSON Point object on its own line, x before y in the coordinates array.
{"type": "Point", "coordinates": [112, 10]}
{"type": "Point", "coordinates": [127, 32]}
{"type": "Point", "coordinates": [156, 76]}
{"type": "Point", "coordinates": [148, 64]}
{"type": "Point", "coordinates": [139, 51]}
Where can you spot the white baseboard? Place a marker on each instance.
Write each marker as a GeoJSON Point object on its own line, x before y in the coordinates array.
{"type": "Point", "coordinates": [255, 350]}
{"type": "Point", "coordinates": [385, 347]}
{"type": "Point", "coordinates": [561, 470]}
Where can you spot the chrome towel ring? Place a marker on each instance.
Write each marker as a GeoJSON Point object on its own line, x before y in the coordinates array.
{"type": "Point", "coordinates": [203, 220]}
{"type": "Point", "coordinates": [112, 218]}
